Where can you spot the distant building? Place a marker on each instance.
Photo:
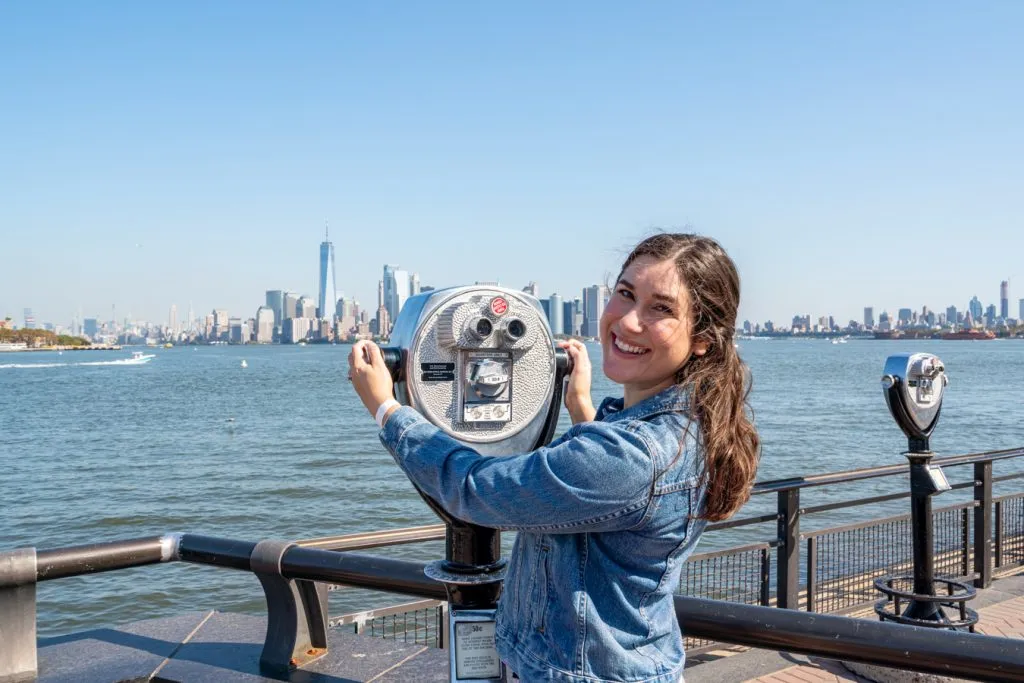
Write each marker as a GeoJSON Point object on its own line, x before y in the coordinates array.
{"type": "Point", "coordinates": [952, 317]}
{"type": "Point", "coordinates": [275, 302]}
{"type": "Point", "coordinates": [264, 325]}
{"type": "Point", "coordinates": [306, 308]}
{"type": "Point", "coordinates": [532, 289]}
{"type": "Point", "coordinates": [30, 320]}
{"type": "Point", "coordinates": [545, 305]}
{"type": "Point", "coordinates": [569, 318]}
{"type": "Point", "coordinates": [869, 317]}
{"type": "Point", "coordinates": [975, 309]}
{"type": "Point", "coordinates": [1004, 299]}
{"type": "Point", "coordinates": [1020, 315]}
{"type": "Point", "coordinates": [382, 323]}
{"type": "Point", "coordinates": [414, 284]}
{"type": "Point", "coordinates": [990, 316]}
{"type": "Point", "coordinates": [396, 290]}
{"type": "Point", "coordinates": [290, 306]}
{"type": "Point", "coordinates": [327, 289]}
{"type": "Point", "coordinates": [238, 331]}
{"type": "Point", "coordinates": [556, 314]}
{"type": "Point", "coordinates": [593, 308]}
{"type": "Point", "coordinates": [221, 324]}
{"type": "Point", "coordinates": [904, 317]}
{"type": "Point", "coordinates": [172, 321]}
{"type": "Point", "coordinates": [295, 330]}
{"type": "Point", "coordinates": [91, 326]}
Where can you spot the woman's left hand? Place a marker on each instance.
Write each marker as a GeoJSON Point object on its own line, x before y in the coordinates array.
{"type": "Point", "coordinates": [369, 375]}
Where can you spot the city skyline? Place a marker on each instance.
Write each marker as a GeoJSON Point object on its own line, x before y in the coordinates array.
{"type": "Point", "coordinates": [841, 153]}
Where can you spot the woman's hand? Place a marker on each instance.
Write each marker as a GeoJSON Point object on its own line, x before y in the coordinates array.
{"type": "Point", "coordinates": [369, 375]}
{"type": "Point", "coordinates": [577, 391]}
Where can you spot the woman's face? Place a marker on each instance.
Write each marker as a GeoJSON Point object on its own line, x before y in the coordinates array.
{"type": "Point", "coordinates": [646, 327]}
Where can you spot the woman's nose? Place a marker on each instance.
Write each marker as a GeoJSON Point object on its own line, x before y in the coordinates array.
{"type": "Point", "coordinates": [631, 322]}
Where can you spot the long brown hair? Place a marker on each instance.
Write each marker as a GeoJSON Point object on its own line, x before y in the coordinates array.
{"type": "Point", "coordinates": [719, 381]}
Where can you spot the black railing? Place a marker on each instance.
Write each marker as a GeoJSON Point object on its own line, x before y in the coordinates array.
{"type": "Point", "coordinates": [974, 541]}
{"type": "Point", "coordinates": [989, 537]}
{"type": "Point", "coordinates": [880, 643]}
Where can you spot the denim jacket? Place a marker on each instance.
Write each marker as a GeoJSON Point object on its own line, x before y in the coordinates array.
{"type": "Point", "coordinates": [607, 515]}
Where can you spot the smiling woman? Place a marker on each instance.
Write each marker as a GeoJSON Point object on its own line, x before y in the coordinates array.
{"type": "Point", "coordinates": [608, 513]}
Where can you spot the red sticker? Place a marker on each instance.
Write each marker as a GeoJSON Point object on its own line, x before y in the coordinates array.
{"type": "Point", "coordinates": [498, 306]}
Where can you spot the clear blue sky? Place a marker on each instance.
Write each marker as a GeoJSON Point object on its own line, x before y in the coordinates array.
{"type": "Point", "coordinates": [845, 153]}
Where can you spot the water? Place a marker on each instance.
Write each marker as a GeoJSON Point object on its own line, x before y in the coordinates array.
{"type": "Point", "coordinates": [283, 449]}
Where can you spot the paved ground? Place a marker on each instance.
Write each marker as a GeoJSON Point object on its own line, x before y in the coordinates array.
{"type": "Point", "coordinates": [1000, 608]}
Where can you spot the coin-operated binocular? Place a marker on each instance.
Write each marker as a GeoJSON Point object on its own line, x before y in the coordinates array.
{"type": "Point", "coordinates": [480, 363]}
{"type": "Point", "coordinates": [913, 384]}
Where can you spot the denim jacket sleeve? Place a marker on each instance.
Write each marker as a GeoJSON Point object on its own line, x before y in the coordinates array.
{"type": "Point", "coordinates": [598, 477]}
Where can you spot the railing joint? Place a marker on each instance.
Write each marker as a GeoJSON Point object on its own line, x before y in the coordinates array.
{"type": "Point", "coordinates": [18, 576]}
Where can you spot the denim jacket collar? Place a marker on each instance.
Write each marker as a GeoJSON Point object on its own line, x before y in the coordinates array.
{"type": "Point", "coordinates": [674, 399]}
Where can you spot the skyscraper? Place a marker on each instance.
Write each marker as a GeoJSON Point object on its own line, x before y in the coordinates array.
{"type": "Point", "coordinates": [555, 314]}
{"type": "Point", "coordinates": [869, 317]}
{"type": "Point", "coordinates": [975, 308]}
{"type": "Point", "coordinates": [289, 306]}
{"type": "Point", "coordinates": [1004, 299]}
{"type": "Point", "coordinates": [172, 321]}
{"type": "Point", "coordinates": [593, 307]}
{"type": "Point", "coordinates": [275, 302]}
{"type": "Point", "coordinates": [396, 290]}
{"type": "Point", "coordinates": [414, 285]}
{"type": "Point", "coordinates": [264, 325]}
{"type": "Point", "coordinates": [383, 317]}
{"type": "Point", "coordinates": [1020, 316]}
{"type": "Point", "coordinates": [532, 289]}
{"type": "Point", "coordinates": [327, 287]}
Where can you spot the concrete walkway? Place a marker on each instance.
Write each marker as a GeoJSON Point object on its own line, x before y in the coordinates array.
{"type": "Point", "coordinates": [1000, 608]}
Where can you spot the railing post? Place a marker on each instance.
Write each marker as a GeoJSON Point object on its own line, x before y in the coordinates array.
{"type": "Point", "coordinates": [965, 543]}
{"type": "Point", "coordinates": [296, 612]}
{"type": "Point", "coordinates": [812, 572]}
{"type": "Point", "coordinates": [983, 524]}
{"type": "Point", "coordinates": [788, 572]}
{"type": "Point", "coordinates": [18, 659]}
{"type": "Point", "coordinates": [999, 534]}
{"type": "Point", "coordinates": [766, 578]}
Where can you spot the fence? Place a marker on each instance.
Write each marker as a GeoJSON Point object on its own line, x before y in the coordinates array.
{"type": "Point", "coordinates": [828, 570]}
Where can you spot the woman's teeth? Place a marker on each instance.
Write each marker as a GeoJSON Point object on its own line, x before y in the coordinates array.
{"type": "Point", "coordinates": [622, 346]}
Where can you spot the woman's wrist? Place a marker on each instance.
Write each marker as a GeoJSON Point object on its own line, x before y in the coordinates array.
{"type": "Point", "coordinates": [384, 411]}
{"type": "Point", "coordinates": [581, 409]}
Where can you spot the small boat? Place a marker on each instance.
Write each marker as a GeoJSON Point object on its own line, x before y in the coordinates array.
{"type": "Point", "coordinates": [244, 364]}
{"type": "Point", "coordinates": [138, 358]}
{"type": "Point", "coordinates": [168, 345]}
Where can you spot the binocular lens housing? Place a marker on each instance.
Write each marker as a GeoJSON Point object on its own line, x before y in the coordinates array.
{"type": "Point", "coordinates": [481, 328]}
{"type": "Point", "coordinates": [515, 329]}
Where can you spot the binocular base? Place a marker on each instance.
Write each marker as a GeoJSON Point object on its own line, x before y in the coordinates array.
{"type": "Point", "coordinates": [906, 607]}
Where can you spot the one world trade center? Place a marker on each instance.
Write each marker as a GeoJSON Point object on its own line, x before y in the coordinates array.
{"type": "Point", "coordinates": [327, 289]}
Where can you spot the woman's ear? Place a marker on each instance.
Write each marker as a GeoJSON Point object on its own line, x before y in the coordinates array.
{"type": "Point", "coordinates": [700, 346]}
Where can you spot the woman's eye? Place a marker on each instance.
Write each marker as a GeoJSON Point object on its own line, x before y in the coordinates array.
{"type": "Point", "coordinates": [626, 293]}
{"type": "Point", "coordinates": [662, 308]}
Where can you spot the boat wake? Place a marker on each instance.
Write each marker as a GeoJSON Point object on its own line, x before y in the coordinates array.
{"type": "Point", "coordinates": [123, 361]}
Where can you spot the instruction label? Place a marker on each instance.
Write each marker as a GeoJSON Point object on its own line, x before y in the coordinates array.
{"type": "Point", "coordinates": [476, 656]}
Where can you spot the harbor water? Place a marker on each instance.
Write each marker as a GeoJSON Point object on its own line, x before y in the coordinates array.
{"type": "Point", "coordinates": [192, 441]}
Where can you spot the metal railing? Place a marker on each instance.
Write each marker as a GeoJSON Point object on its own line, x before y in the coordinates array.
{"type": "Point", "coordinates": [974, 540]}
{"type": "Point", "coordinates": [832, 569]}
{"type": "Point", "coordinates": [288, 639]}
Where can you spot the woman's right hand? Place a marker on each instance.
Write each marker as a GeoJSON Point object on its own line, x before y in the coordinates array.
{"type": "Point", "coordinates": [577, 391]}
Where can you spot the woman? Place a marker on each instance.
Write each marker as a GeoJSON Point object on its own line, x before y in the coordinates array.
{"type": "Point", "coordinates": [608, 513]}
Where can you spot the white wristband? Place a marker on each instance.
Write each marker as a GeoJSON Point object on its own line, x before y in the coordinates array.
{"type": "Point", "coordinates": [383, 410]}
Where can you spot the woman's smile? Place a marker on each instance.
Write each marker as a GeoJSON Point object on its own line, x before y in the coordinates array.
{"type": "Point", "coordinates": [627, 349]}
